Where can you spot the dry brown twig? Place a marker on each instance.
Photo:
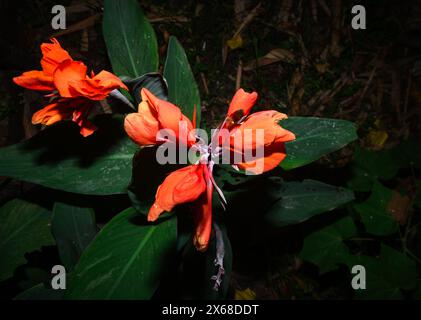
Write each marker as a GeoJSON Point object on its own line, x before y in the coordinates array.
{"type": "Point", "coordinates": [78, 26]}
{"type": "Point", "coordinates": [203, 78]}
{"type": "Point", "coordinates": [273, 56]}
{"type": "Point", "coordinates": [239, 75]}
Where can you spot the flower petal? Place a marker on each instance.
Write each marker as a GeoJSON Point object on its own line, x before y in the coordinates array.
{"type": "Point", "coordinates": [52, 113]}
{"type": "Point", "coordinates": [35, 80]}
{"type": "Point", "coordinates": [266, 150]}
{"type": "Point", "coordinates": [263, 120]}
{"type": "Point", "coordinates": [80, 116]}
{"type": "Point", "coordinates": [98, 87]}
{"type": "Point", "coordinates": [69, 72]}
{"type": "Point", "coordinates": [143, 126]}
{"type": "Point", "coordinates": [53, 55]}
{"type": "Point", "coordinates": [243, 101]}
{"type": "Point", "coordinates": [169, 116]}
{"type": "Point", "coordinates": [203, 216]}
{"type": "Point", "coordinates": [181, 186]}
{"type": "Point", "coordinates": [273, 156]}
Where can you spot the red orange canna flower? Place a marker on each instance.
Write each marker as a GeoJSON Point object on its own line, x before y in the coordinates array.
{"type": "Point", "coordinates": [72, 91]}
{"type": "Point", "coordinates": [194, 183]}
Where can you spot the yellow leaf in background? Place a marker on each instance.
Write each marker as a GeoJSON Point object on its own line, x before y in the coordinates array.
{"type": "Point", "coordinates": [322, 67]}
{"type": "Point", "coordinates": [378, 124]}
{"type": "Point", "coordinates": [377, 138]}
{"type": "Point", "coordinates": [235, 42]}
{"type": "Point", "coordinates": [246, 294]}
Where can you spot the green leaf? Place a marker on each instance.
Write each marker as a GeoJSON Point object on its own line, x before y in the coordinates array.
{"type": "Point", "coordinates": [325, 247]}
{"type": "Point", "coordinates": [60, 158]}
{"type": "Point", "coordinates": [40, 292]}
{"type": "Point", "coordinates": [24, 227]}
{"type": "Point", "coordinates": [374, 214]}
{"type": "Point", "coordinates": [130, 38]}
{"type": "Point", "coordinates": [126, 260]}
{"type": "Point", "coordinates": [153, 81]}
{"type": "Point", "coordinates": [295, 202]}
{"type": "Point", "coordinates": [369, 166]}
{"type": "Point", "coordinates": [315, 137]}
{"type": "Point", "coordinates": [182, 87]}
{"type": "Point", "coordinates": [385, 275]}
{"type": "Point", "coordinates": [73, 228]}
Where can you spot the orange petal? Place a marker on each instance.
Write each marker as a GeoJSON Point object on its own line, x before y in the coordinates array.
{"type": "Point", "coordinates": [66, 73]}
{"type": "Point", "coordinates": [52, 113]}
{"type": "Point", "coordinates": [35, 80]}
{"type": "Point", "coordinates": [273, 156]}
{"type": "Point", "coordinates": [142, 127]}
{"type": "Point", "coordinates": [53, 55]}
{"type": "Point", "coordinates": [181, 186]}
{"type": "Point", "coordinates": [80, 117]}
{"type": "Point", "coordinates": [98, 87]}
{"type": "Point", "coordinates": [203, 216]}
{"type": "Point", "coordinates": [168, 115]}
{"type": "Point", "coordinates": [242, 101]}
{"type": "Point", "coordinates": [272, 141]}
{"type": "Point", "coordinates": [266, 120]}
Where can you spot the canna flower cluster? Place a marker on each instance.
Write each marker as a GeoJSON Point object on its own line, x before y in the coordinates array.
{"type": "Point", "coordinates": [72, 92]}
{"type": "Point", "coordinates": [194, 183]}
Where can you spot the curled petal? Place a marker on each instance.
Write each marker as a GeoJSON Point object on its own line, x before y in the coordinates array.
{"type": "Point", "coordinates": [53, 55]}
{"type": "Point", "coordinates": [52, 113]}
{"type": "Point", "coordinates": [181, 186]}
{"type": "Point", "coordinates": [143, 126]}
{"type": "Point", "coordinates": [169, 116]}
{"type": "Point", "coordinates": [274, 154]}
{"type": "Point", "coordinates": [243, 101]}
{"type": "Point", "coordinates": [259, 141]}
{"type": "Point", "coordinates": [35, 80]}
{"type": "Point", "coordinates": [98, 87]}
{"type": "Point", "coordinates": [69, 72]}
{"type": "Point", "coordinates": [80, 116]}
{"type": "Point", "coordinates": [266, 121]}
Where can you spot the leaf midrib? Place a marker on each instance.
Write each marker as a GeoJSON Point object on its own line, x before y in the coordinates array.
{"type": "Point", "coordinates": [130, 262]}
{"type": "Point", "coordinates": [24, 225]}
{"type": "Point", "coordinates": [126, 41]}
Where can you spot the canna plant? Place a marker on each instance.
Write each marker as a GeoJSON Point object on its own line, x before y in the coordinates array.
{"type": "Point", "coordinates": [141, 250]}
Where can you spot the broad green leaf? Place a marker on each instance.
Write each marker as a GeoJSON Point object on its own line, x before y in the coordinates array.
{"type": "Point", "coordinates": [226, 175]}
{"type": "Point", "coordinates": [386, 275]}
{"type": "Point", "coordinates": [374, 214]}
{"type": "Point", "coordinates": [40, 292]}
{"type": "Point", "coordinates": [24, 227]}
{"type": "Point", "coordinates": [182, 87]}
{"type": "Point", "coordinates": [146, 168]}
{"type": "Point", "coordinates": [73, 228]}
{"type": "Point", "coordinates": [130, 38]}
{"type": "Point", "coordinates": [126, 260]}
{"type": "Point", "coordinates": [325, 247]}
{"type": "Point", "coordinates": [315, 137]}
{"type": "Point", "coordinates": [369, 166]}
{"type": "Point", "coordinates": [60, 158]}
{"type": "Point", "coordinates": [153, 81]}
{"type": "Point", "coordinates": [295, 202]}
